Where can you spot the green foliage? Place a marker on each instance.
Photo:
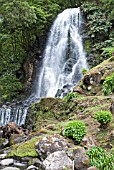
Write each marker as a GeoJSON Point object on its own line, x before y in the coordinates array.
{"type": "Point", "coordinates": [99, 158]}
{"type": "Point", "coordinates": [108, 85]}
{"type": "Point", "coordinates": [102, 45]}
{"type": "Point", "coordinates": [108, 6]}
{"type": "Point", "coordinates": [87, 45]}
{"type": "Point", "coordinates": [103, 117]}
{"type": "Point", "coordinates": [70, 96]}
{"type": "Point", "coordinates": [88, 8]}
{"type": "Point", "coordinates": [22, 26]}
{"type": "Point", "coordinates": [24, 149]}
{"type": "Point", "coordinates": [75, 130]}
{"type": "Point", "coordinates": [84, 70]}
{"type": "Point", "coordinates": [10, 86]}
{"type": "Point", "coordinates": [96, 21]}
{"type": "Point", "coordinates": [99, 26]}
{"type": "Point", "coordinates": [109, 51]}
{"type": "Point", "coordinates": [17, 15]}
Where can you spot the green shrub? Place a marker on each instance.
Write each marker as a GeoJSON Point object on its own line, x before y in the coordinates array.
{"type": "Point", "coordinates": [103, 117]}
{"type": "Point", "coordinates": [109, 51]}
{"type": "Point", "coordinates": [99, 158]}
{"type": "Point", "coordinates": [70, 96]}
{"type": "Point", "coordinates": [108, 85]}
{"type": "Point", "coordinates": [84, 70]}
{"type": "Point", "coordinates": [96, 21]}
{"type": "Point", "coordinates": [75, 130]}
{"type": "Point", "coordinates": [10, 86]}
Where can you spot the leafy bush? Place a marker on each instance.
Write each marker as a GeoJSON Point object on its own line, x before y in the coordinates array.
{"type": "Point", "coordinates": [70, 96]}
{"type": "Point", "coordinates": [75, 130]}
{"type": "Point", "coordinates": [103, 117]}
{"type": "Point", "coordinates": [96, 21]}
{"type": "Point", "coordinates": [109, 51]}
{"type": "Point", "coordinates": [84, 70]}
{"type": "Point", "coordinates": [108, 85]}
{"type": "Point", "coordinates": [99, 158]}
{"type": "Point", "coordinates": [10, 86]}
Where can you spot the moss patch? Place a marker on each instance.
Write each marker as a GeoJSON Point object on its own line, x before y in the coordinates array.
{"type": "Point", "coordinates": [47, 111]}
{"type": "Point", "coordinates": [24, 149]}
{"type": "Point", "coordinates": [87, 46]}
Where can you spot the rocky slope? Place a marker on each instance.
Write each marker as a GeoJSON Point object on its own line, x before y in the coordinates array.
{"type": "Point", "coordinates": [43, 144]}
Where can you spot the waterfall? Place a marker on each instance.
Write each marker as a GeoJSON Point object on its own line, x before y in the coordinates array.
{"type": "Point", "coordinates": [64, 56]}
{"type": "Point", "coordinates": [15, 114]}
{"type": "Point", "coordinates": [63, 61]}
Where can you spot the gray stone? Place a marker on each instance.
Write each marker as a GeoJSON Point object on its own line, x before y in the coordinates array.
{"type": "Point", "coordinates": [5, 162]}
{"type": "Point", "coordinates": [32, 167]}
{"type": "Point", "coordinates": [36, 162]}
{"type": "Point", "coordinates": [81, 160]}
{"type": "Point", "coordinates": [88, 142]}
{"type": "Point", "coordinates": [2, 156]}
{"type": "Point", "coordinates": [89, 88]}
{"type": "Point", "coordinates": [92, 168]}
{"type": "Point", "coordinates": [49, 145]}
{"type": "Point", "coordinates": [58, 161]}
{"type": "Point", "coordinates": [10, 168]}
{"type": "Point", "coordinates": [19, 164]}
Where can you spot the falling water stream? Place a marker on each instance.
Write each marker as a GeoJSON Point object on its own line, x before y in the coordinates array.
{"type": "Point", "coordinates": [63, 61]}
{"type": "Point", "coordinates": [64, 56]}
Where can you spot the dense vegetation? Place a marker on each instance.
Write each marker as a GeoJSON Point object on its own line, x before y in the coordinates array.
{"type": "Point", "coordinates": [23, 29]}
{"type": "Point", "coordinates": [100, 159]}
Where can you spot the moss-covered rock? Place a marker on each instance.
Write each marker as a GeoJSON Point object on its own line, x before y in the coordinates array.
{"type": "Point", "coordinates": [47, 111]}
{"type": "Point", "coordinates": [24, 149]}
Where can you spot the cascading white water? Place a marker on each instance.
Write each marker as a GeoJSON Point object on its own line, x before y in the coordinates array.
{"type": "Point", "coordinates": [64, 59]}
{"type": "Point", "coordinates": [64, 56]}
{"type": "Point", "coordinates": [13, 114]}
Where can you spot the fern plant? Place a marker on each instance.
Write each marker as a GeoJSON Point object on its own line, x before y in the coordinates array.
{"type": "Point", "coordinates": [70, 96]}
{"type": "Point", "coordinates": [109, 51]}
{"type": "Point", "coordinates": [99, 158]}
{"type": "Point", "coordinates": [108, 85]}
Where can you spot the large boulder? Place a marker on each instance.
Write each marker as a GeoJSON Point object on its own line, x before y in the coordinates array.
{"type": "Point", "coordinates": [58, 161]}
{"type": "Point", "coordinates": [50, 144]}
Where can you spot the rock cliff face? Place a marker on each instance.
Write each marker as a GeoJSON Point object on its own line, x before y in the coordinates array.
{"type": "Point", "coordinates": [29, 66]}
{"type": "Point", "coordinates": [32, 64]}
